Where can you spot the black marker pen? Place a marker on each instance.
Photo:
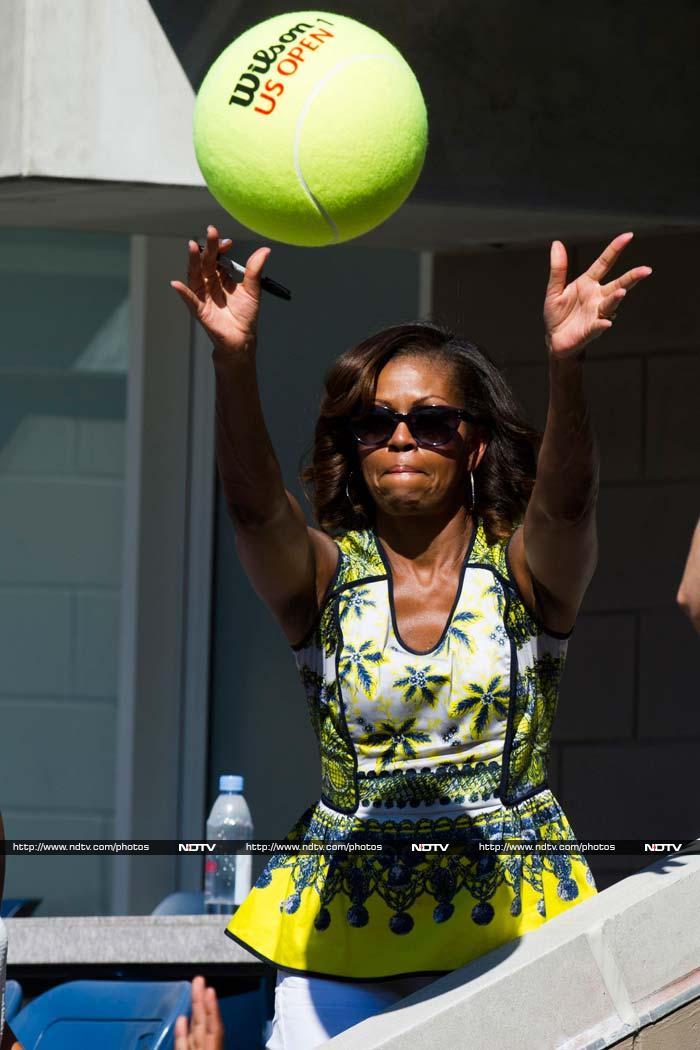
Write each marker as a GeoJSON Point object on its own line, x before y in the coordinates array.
{"type": "Point", "coordinates": [236, 271]}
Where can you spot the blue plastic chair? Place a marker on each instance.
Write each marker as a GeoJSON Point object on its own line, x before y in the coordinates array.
{"type": "Point", "coordinates": [182, 902]}
{"type": "Point", "coordinates": [15, 907]}
{"type": "Point", "coordinates": [111, 1015]}
{"type": "Point", "coordinates": [13, 999]}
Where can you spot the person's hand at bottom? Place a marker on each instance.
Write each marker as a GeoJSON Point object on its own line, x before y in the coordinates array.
{"type": "Point", "coordinates": [206, 1031]}
{"type": "Point", "coordinates": [9, 1040]}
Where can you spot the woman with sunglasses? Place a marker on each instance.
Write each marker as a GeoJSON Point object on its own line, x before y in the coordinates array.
{"type": "Point", "coordinates": [429, 616]}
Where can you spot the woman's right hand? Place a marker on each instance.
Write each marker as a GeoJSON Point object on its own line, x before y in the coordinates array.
{"type": "Point", "coordinates": [226, 309]}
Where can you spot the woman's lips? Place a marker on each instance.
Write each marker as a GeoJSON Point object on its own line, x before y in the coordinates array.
{"type": "Point", "coordinates": [403, 470]}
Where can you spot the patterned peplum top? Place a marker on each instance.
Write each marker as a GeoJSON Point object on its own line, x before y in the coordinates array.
{"type": "Point", "coordinates": [420, 746]}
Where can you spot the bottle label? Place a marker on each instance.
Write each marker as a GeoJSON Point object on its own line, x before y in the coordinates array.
{"type": "Point", "coordinates": [244, 863]}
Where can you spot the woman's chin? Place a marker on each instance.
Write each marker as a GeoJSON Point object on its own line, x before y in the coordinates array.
{"type": "Point", "coordinates": [406, 503]}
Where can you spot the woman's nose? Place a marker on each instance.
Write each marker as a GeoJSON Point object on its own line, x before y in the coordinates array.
{"type": "Point", "coordinates": [402, 436]}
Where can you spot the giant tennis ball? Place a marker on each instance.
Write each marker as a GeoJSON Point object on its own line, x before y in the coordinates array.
{"type": "Point", "coordinates": [310, 128]}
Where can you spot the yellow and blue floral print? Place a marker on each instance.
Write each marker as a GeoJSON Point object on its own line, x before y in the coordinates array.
{"type": "Point", "coordinates": [451, 742]}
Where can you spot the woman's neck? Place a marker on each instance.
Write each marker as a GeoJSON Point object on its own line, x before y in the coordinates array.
{"type": "Point", "coordinates": [431, 544]}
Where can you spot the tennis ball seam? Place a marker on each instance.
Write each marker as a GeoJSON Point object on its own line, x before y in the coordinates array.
{"type": "Point", "coordinates": [317, 88]}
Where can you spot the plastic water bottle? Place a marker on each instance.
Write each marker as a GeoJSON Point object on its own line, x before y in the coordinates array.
{"type": "Point", "coordinates": [227, 877]}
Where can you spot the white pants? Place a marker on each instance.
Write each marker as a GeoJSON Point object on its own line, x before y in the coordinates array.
{"type": "Point", "coordinates": [310, 1010]}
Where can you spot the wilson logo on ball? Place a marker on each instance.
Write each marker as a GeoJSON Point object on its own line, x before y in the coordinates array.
{"type": "Point", "coordinates": [249, 82]}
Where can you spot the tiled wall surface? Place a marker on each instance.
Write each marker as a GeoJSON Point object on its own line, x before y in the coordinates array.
{"type": "Point", "coordinates": [62, 440]}
{"type": "Point", "coordinates": [60, 545]}
{"type": "Point", "coordinates": [627, 732]}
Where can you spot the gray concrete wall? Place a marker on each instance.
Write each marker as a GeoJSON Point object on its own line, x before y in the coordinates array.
{"type": "Point", "coordinates": [114, 112]}
{"type": "Point", "coordinates": [62, 407]}
{"type": "Point", "coordinates": [628, 728]}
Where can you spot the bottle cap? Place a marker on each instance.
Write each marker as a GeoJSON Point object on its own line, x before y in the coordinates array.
{"type": "Point", "coordinates": [230, 782]}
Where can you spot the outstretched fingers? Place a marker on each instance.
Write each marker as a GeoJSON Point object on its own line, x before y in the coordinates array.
{"type": "Point", "coordinates": [181, 1033]}
{"type": "Point", "coordinates": [558, 263]}
{"type": "Point", "coordinates": [214, 1024]}
{"type": "Point", "coordinates": [194, 293]}
{"type": "Point", "coordinates": [204, 279]}
{"type": "Point", "coordinates": [198, 1025]}
{"type": "Point", "coordinates": [195, 277]}
{"type": "Point", "coordinates": [191, 301]}
{"type": "Point", "coordinates": [253, 271]}
{"type": "Point", "coordinates": [608, 257]}
{"type": "Point", "coordinates": [609, 304]}
{"type": "Point", "coordinates": [628, 280]}
{"type": "Point", "coordinates": [211, 275]}
{"type": "Point", "coordinates": [210, 254]}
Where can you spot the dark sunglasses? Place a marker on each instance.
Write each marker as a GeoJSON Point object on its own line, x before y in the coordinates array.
{"type": "Point", "coordinates": [430, 426]}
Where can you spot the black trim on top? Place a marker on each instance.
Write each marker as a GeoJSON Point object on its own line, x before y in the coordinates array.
{"type": "Point", "coordinates": [390, 584]}
{"type": "Point", "coordinates": [510, 722]}
{"type": "Point", "coordinates": [535, 617]}
{"type": "Point", "coordinates": [330, 593]}
{"type": "Point", "coordinates": [333, 976]}
{"type": "Point", "coordinates": [341, 705]}
{"type": "Point", "coordinates": [508, 590]}
{"type": "Point", "coordinates": [544, 786]}
{"type": "Point", "coordinates": [360, 582]}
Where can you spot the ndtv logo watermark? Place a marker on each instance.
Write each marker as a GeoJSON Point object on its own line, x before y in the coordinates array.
{"type": "Point", "coordinates": [649, 847]}
{"type": "Point", "coordinates": [195, 847]}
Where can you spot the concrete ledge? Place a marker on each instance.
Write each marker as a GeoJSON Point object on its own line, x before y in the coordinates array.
{"type": "Point", "coordinates": [420, 225]}
{"type": "Point", "coordinates": [586, 980]}
{"type": "Point", "coordinates": [124, 940]}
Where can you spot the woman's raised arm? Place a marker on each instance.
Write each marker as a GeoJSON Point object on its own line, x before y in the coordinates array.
{"type": "Point", "coordinates": [287, 562]}
{"type": "Point", "coordinates": [557, 543]}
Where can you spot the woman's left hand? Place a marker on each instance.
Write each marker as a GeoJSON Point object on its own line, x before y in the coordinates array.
{"type": "Point", "coordinates": [578, 312]}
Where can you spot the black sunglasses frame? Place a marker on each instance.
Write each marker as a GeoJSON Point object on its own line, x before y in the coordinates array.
{"type": "Point", "coordinates": [409, 418]}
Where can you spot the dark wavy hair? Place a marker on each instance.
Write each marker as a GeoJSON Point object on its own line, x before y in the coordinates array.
{"type": "Point", "coordinates": [503, 480]}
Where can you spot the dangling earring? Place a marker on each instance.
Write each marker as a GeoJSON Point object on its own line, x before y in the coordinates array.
{"type": "Point", "coordinates": [347, 493]}
{"type": "Point", "coordinates": [473, 507]}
